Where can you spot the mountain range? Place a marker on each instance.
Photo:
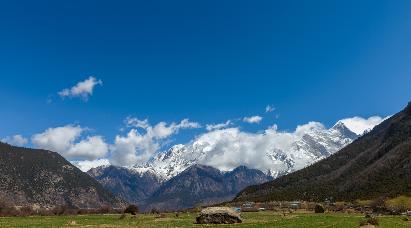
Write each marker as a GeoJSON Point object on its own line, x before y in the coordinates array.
{"type": "Point", "coordinates": [377, 164]}
{"type": "Point", "coordinates": [177, 179]}
{"type": "Point", "coordinates": [306, 167]}
{"type": "Point", "coordinates": [197, 185]}
{"type": "Point", "coordinates": [314, 145]}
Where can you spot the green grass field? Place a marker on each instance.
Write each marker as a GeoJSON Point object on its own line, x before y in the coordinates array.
{"type": "Point", "coordinates": [251, 219]}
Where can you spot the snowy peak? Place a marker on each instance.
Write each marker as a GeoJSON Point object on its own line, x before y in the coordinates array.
{"type": "Point", "coordinates": [279, 158]}
{"type": "Point", "coordinates": [344, 130]}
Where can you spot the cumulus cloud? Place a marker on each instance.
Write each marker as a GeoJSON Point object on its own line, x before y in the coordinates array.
{"type": "Point", "coordinates": [82, 89]}
{"type": "Point", "coordinates": [253, 119]}
{"type": "Point", "coordinates": [143, 140]}
{"type": "Point", "coordinates": [269, 108]}
{"type": "Point", "coordinates": [15, 140]}
{"type": "Point", "coordinates": [211, 127]}
{"type": "Point", "coordinates": [229, 148]}
{"type": "Point", "coordinates": [310, 126]}
{"type": "Point", "coordinates": [360, 125]}
{"type": "Point", "coordinates": [87, 165]}
{"type": "Point", "coordinates": [67, 141]}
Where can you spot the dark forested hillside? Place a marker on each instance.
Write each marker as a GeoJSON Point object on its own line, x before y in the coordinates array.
{"type": "Point", "coordinates": [376, 164]}
{"type": "Point", "coordinates": [44, 178]}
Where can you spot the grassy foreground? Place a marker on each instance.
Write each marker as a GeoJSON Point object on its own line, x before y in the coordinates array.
{"type": "Point", "coordinates": [251, 219]}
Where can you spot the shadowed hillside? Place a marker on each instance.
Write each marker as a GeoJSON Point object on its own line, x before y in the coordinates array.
{"type": "Point", "coordinates": [132, 186]}
{"type": "Point", "coordinates": [29, 176]}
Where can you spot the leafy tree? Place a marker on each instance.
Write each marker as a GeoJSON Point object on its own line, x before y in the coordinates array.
{"type": "Point", "coordinates": [131, 209]}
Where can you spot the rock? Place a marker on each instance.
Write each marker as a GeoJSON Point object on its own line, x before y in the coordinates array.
{"type": "Point", "coordinates": [319, 208]}
{"type": "Point", "coordinates": [218, 215]}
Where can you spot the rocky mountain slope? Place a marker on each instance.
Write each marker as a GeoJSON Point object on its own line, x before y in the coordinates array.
{"type": "Point", "coordinates": [306, 149]}
{"type": "Point", "coordinates": [132, 186]}
{"type": "Point", "coordinates": [196, 185]}
{"type": "Point", "coordinates": [376, 164]}
{"type": "Point", "coordinates": [45, 178]}
{"type": "Point", "coordinates": [201, 185]}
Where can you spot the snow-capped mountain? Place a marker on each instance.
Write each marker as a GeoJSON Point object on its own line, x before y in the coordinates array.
{"type": "Point", "coordinates": [278, 156]}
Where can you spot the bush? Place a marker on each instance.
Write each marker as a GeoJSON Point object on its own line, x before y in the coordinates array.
{"type": "Point", "coordinates": [154, 211]}
{"type": "Point", "coordinates": [59, 210]}
{"type": "Point", "coordinates": [369, 221]}
{"type": "Point", "coordinates": [131, 209]}
{"type": "Point", "coordinates": [26, 211]}
{"type": "Point", "coordinates": [378, 204]}
{"type": "Point", "coordinates": [319, 208]}
{"type": "Point", "coordinates": [105, 209]}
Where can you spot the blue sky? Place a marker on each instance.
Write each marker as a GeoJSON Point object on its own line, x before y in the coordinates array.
{"type": "Point", "coordinates": [209, 61]}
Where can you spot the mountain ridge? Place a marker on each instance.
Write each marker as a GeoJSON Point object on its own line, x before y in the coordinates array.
{"type": "Point", "coordinates": [377, 163]}
{"type": "Point", "coordinates": [198, 184]}
{"type": "Point", "coordinates": [314, 145]}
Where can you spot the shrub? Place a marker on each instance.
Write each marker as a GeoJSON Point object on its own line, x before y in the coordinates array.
{"type": "Point", "coordinates": [319, 208]}
{"type": "Point", "coordinates": [131, 209]}
{"type": "Point", "coordinates": [378, 204]}
{"type": "Point", "coordinates": [26, 211]}
{"type": "Point", "coordinates": [369, 221]}
{"type": "Point", "coordinates": [154, 211]}
{"type": "Point", "coordinates": [105, 209]}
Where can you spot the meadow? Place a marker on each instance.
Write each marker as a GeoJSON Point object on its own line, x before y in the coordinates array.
{"type": "Point", "coordinates": [250, 219]}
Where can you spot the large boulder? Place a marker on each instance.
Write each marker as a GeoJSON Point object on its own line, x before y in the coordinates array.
{"type": "Point", "coordinates": [218, 215]}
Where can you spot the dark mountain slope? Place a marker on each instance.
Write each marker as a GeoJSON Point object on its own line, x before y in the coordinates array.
{"type": "Point", "coordinates": [203, 185]}
{"type": "Point", "coordinates": [378, 163]}
{"type": "Point", "coordinates": [131, 186]}
{"type": "Point", "coordinates": [45, 178]}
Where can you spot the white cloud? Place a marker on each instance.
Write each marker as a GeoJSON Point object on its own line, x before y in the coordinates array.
{"type": "Point", "coordinates": [253, 119]}
{"type": "Point", "coordinates": [15, 140]}
{"type": "Point", "coordinates": [90, 148]}
{"type": "Point", "coordinates": [82, 89]}
{"type": "Point", "coordinates": [229, 148]}
{"type": "Point", "coordinates": [161, 129]}
{"type": "Point", "coordinates": [269, 108]}
{"type": "Point", "coordinates": [65, 140]}
{"type": "Point", "coordinates": [360, 125]}
{"type": "Point", "coordinates": [310, 126]}
{"type": "Point", "coordinates": [138, 147]}
{"type": "Point", "coordinates": [211, 127]}
{"type": "Point", "coordinates": [134, 122]}
{"type": "Point", "coordinates": [87, 165]}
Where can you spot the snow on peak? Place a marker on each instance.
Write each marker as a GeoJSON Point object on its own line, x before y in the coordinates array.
{"type": "Point", "coordinates": [276, 153]}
